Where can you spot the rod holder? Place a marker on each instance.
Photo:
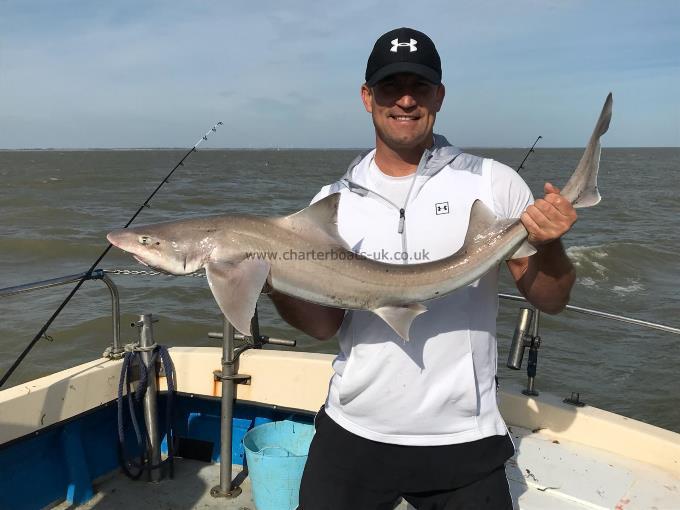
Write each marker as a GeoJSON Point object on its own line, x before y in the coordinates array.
{"type": "Point", "coordinates": [530, 390]}
{"type": "Point", "coordinates": [534, 345]}
{"type": "Point", "coordinates": [521, 338]}
{"type": "Point", "coordinates": [264, 339]}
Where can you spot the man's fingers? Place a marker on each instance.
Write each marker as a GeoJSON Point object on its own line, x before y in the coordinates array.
{"type": "Point", "coordinates": [549, 212]}
{"type": "Point", "coordinates": [550, 217]}
{"type": "Point", "coordinates": [544, 206]}
{"type": "Point", "coordinates": [549, 188]}
{"type": "Point", "coordinates": [529, 224]}
{"type": "Point", "coordinates": [536, 223]}
{"type": "Point", "coordinates": [536, 214]}
{"type": "Point", "coordinates": [555, 206]}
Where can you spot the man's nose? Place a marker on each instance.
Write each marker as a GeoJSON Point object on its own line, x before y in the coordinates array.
{"type": "Point", "coordinates": [406, 100]}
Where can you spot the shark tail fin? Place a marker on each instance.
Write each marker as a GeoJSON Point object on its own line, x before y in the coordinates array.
{"type": "Point", "coordinates": [581, 189]}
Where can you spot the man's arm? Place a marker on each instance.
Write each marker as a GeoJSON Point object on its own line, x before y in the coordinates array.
{"type": "Point", "coordinates": [318, 321]}
{"type": "Point", "coordinates": [546, 278]}
{"type": "Point", "coordinates": [321, 322]}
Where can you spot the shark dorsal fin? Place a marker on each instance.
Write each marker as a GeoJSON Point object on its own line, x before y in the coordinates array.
{"type": "Point", "coordinates": [319, 219]}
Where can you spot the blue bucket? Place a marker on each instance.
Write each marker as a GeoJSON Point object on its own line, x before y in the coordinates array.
{"type": "Point", "coordinates": [276, 453]}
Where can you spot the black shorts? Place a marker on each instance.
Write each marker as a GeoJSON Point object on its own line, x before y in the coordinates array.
{"type": "Point", "coordinates": [348, 472]}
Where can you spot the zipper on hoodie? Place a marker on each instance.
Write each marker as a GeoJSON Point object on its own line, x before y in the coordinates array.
{"type": "Point", "coordinates": [363, 191]}
{"type": "Point", "coordinates": [358, 188]}
{"type": "Point", "coordinates": [402, 210]}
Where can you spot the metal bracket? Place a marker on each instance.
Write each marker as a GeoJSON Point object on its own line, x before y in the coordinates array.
{"type": "Point", "coordinates": [217, 492]}
{"type": "Point", "coordinates": [237, 378]}
{"type": "Point", "coordinates": [574, 401]}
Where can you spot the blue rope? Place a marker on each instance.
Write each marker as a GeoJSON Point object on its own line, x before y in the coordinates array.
{"type": "Point", "coordinates": [169, 367]}
{"type": "Point", "coordinates": [129, 360]}
{"type": "Point", "coordinates": [125, 377]}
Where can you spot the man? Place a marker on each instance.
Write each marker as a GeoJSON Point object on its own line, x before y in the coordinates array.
{"type": "Point", "coordinates": [419, 419]}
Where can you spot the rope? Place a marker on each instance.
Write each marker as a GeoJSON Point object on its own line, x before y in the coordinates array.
{"type": "Point", "coordinates": [169, 367]}
{"type": "Point", "coordinates": [125, 376]}
{"type": "Point", "coordinates": [134, 468]}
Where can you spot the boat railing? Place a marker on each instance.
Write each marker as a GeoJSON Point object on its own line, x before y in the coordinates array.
{"type": "Point", "coordinates": [605, 315]}
{"type": "Point", "coordinates": [115, 350]}
{"type": "Point", "coordinates": [527, 336]}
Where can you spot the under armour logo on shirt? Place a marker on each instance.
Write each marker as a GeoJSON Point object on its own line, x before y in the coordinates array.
{"type": "Point", "coordinates": [441, 208]}
{"type": "Point", "coordinates": [396, 44]}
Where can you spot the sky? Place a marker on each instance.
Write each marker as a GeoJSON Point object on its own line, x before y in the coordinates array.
{"type": "Point", "coordinates": [95, 74]}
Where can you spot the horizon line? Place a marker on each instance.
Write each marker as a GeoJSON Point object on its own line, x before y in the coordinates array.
{"type": "Point", "coordinates": [74, 149]}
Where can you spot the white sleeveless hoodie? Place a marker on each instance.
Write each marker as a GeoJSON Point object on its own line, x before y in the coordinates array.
{"type": "Point", "coordinates": [438, 388]}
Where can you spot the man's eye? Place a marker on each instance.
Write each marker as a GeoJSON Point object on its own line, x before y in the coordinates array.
{"type": "Point", "coordinates": [388, 87]}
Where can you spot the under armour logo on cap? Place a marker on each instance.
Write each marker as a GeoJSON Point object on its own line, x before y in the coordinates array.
{"type": "Point", "coordinates": [390, 56]}
{"type": "Point", "coordinates": [396, 44]}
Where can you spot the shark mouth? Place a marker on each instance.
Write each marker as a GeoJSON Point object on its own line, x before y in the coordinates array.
{"type": "Point", "coordinates": [140, 261]}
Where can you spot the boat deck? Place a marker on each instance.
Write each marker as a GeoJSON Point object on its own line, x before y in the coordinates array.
{"type": "Point", "coordinates": [544, 473]}
{"type": "Point", "coordinates": [563, 475]}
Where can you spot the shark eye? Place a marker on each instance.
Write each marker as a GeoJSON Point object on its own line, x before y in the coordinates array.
{"type": "Point", "coordinates": [144, 240]}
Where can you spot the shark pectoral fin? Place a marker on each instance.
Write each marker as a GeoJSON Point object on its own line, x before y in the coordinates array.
{"type": "Point", "coordinates": [525, 250]}
{"type": "Point", "coordinates": [399, 318]}
{"type": "Point", "coordinates": [236, 287]}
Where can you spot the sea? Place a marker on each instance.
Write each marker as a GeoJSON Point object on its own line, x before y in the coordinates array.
{"type": "Point", "coordinates": [58, 205]}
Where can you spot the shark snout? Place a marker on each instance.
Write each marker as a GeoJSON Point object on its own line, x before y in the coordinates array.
{"type": "Point", "coordinates": [118, 237]}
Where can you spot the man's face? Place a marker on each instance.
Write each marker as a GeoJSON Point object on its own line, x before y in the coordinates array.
{"type": "Point", "coordinates": [404, 107]}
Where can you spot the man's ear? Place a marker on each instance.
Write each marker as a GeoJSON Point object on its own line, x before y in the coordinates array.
{"type": "Point", "coordinates": [367, 97]}
{"type": "Point", "coordinates": [441, 92]}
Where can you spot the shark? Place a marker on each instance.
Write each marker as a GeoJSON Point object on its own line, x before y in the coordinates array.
{"type": "Point", "coordinates": [239, 254]}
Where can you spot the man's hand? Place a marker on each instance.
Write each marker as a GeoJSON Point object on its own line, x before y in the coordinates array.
{"type": "Point", "coordinates": [546, 278]}
{"type": "Point", "coordinates": [548, 218]}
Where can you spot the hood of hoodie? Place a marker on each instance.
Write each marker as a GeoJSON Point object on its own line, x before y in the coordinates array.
{"type": "Point", "coordinates": [432, 161]}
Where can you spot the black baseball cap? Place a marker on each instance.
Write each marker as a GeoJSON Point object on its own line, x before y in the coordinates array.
{"type": "Point", "coordinates": [403, 50]}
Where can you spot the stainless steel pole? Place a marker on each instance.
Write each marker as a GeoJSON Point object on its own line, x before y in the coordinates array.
{"type": "Point", "coordinates": [225, 489]}
{"type": "Point", "coordinates": [146, 343]}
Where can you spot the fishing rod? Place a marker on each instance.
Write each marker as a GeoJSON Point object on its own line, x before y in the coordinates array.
{"type": "Point", "coordinates": [88, 274]}
{"type": "Point", "coordinates": [521, 165]}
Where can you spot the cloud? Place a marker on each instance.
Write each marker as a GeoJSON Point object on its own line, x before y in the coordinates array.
{"type": "Point", "coordinates": [76, 73]}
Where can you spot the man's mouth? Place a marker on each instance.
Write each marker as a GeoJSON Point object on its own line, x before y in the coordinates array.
{"type": "Point", "coordinates": [404, 117]}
